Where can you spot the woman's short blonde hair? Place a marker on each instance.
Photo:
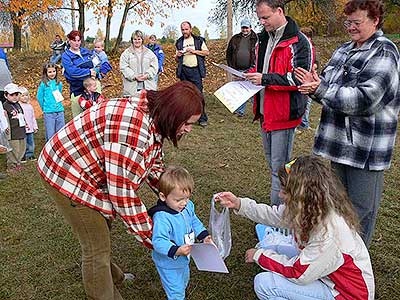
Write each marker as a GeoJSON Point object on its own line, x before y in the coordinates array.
{"type": "Point", "coordinates": [137, 33]}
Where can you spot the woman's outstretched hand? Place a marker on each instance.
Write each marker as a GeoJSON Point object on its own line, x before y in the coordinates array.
{"type": "Point", "coordinates": [229, 200]}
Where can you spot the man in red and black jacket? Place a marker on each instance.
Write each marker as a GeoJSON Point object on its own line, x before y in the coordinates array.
{"type": "Point", "coordinates": [281, 48]}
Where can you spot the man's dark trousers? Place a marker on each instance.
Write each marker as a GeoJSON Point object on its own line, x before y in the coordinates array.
{"type": "Point", "coordinates": [192, 74]}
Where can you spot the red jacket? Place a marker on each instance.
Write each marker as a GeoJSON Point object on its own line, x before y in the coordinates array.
{"type": "Point", "coordinates": [284, 105]}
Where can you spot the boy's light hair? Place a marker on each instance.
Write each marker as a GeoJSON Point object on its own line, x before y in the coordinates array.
{"type": "Point", "coordinates": [101, 42]}
{"type": "Point", "coordinates": [175, 177]}
{"type": "Point", "coordinates": [87, 82]}
{"type": "Point", "coordinates": [24, 90]}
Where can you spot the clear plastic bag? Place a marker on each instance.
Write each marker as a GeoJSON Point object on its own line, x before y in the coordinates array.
{"type": "Point", "coordinates": [220, 229]}
{"type": "Point", "coordinates": [4, 144]}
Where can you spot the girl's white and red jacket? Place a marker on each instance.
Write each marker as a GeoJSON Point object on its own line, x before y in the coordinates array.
{"type": "Point", "coordinates": [338, 256]}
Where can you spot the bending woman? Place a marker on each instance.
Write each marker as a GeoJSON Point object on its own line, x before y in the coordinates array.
{"type": "Point", "coordinates": [94, 166]}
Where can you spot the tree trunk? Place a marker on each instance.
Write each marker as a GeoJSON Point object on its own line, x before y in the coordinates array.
{"type": "Point", "coordinates": [81, 25]}
{"type": "Point", "coordinates": [73, 25]}
{"type": "Point", "coordinates": [121, 28]}
{"type": "Point", "coordinates": [107, 44]}
{"type": "Point", "coordinates": [17, 36]}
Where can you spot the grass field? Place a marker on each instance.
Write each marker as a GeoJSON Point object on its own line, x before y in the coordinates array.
{"type": "Point", "coordinates": [40, 259]}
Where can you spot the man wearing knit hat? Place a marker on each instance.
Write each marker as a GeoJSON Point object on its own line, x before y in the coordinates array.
{"type": "Point", "coordinates": [241, 54]}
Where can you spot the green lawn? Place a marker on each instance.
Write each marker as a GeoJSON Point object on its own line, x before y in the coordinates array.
{"type": "Point", "coordinates": [40, 259]}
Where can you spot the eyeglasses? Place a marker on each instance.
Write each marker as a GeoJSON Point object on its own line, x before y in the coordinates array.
{"type": "Point", "coordinates": [14, 94]}
{"type": "Point", "coordinates": [288, 166]}
{"type": "Point", "coordinates": [356, 23]}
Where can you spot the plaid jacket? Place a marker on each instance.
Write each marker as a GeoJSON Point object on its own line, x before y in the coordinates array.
{"type": "Point", "coordinates": [360, 94]}
{"type": "Point", "coordinates": [101, 158]}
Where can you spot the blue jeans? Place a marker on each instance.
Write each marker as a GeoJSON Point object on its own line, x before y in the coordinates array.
{"type": "Point", "coordinates": [53, 122]}
{"type": "Point", "coordinates": [365, 191]}
{"type": "Point", "coordinates": [55, 58]}
{"type": "Point", "coordinates": [193, 75]}
{"type": "Point", "coordinates": [277, 146]}
{"type": "Point", "coordinates": [305, 120]}
{"type": "Point", "coordinates": [241, 109]}
{"type": "Point", "coordinates": [268, 285]}
{"type": "Point", "coordinates": [30, 145]}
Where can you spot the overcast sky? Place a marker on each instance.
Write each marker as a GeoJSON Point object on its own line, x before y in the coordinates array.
{"type": "Point", "coordinates": [197, 16]}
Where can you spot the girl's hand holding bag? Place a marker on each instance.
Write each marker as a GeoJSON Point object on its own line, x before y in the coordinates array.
{"type": "Point", "coordinates": [220, 229]}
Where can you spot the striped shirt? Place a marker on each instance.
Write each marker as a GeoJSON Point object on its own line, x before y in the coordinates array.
{"type": "Point", "coordinates": [360, 94]}
{"type": "Point", "coordinates": [102, 157]}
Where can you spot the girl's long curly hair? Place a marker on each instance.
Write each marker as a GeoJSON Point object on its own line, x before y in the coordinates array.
{"type": "Point", "coordinates": [312, 192]}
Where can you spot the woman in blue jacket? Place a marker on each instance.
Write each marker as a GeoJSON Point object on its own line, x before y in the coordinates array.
{"type": "Point", "coordinates": [78, 65]}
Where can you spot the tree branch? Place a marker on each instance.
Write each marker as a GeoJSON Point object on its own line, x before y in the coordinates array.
{"type": "Point", "coordinates": [136, 4]}
{"type": "Point", "coordinates": [64, 8]}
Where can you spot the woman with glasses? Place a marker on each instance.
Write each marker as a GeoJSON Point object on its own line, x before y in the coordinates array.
{"type": "Point", "coordinates": [360, 95]}
{"type": "Point", "coordinates": [78, 65]}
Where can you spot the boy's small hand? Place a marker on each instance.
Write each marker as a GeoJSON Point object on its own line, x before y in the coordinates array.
{"type": "Point", "coordinates": [184, 250]}
{"type": "Point", "coordinates": [208, 240]}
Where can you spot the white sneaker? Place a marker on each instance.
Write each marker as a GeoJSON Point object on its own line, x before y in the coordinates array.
{"type": "Point", "coordinates": [128, 277]}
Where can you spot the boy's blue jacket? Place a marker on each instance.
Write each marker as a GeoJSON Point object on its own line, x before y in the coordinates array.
{"type": "Point", "coordinates": [77, 68]}
{"type": "Point", "coordinates": [158, 51]}
{"type": "Point", "coordinates": [3, 55]}
{"type": "Point", "coordinates": [169, 229]}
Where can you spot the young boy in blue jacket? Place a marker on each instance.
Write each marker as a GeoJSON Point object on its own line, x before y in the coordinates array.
{"type": "Point", "coordinates": [175, 227]}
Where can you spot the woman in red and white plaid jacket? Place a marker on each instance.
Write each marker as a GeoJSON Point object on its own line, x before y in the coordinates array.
{"type": "Point", "coordinates": [97, 162]}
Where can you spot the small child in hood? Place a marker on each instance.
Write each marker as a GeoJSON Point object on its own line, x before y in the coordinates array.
{"type": "Point", "coordinates": [175, 228]}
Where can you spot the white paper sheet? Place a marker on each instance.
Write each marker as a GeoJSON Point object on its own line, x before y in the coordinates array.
{"type": "Point", "coordinates": [234, 94]}
{"type": "Point", "coordinates": [206, 258]}
{"type": "Point", "coordinates": [230, 70]}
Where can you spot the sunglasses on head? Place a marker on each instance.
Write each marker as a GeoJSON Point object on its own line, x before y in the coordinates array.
{"type": "Point", "coordinates": [288, 166]}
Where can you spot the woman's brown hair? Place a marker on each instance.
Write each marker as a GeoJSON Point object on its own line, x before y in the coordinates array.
{"type": "Point", "coordinates": [313, 191]}
{"type": "Point", "coordinates": [73, 34]}
{"type": "Point", "coordinates": [173, 106]}
{"type": "Point", "coordinates": [374, 9]}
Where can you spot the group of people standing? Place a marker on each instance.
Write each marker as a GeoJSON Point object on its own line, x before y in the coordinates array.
{"type": "Point", "coordinates": [17, 121]}
{"type": "Point", "coordinates": [360, 96]}
{"type": "Point", "coordinates": [94, 166]}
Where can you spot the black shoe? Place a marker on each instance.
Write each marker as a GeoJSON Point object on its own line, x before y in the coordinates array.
{"type": "Point", "coordinates": [31, 158]}
{"type": "Point", "coordinates": [24, 160]}
{"type": "Point", "coordinates": [203, 124]}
